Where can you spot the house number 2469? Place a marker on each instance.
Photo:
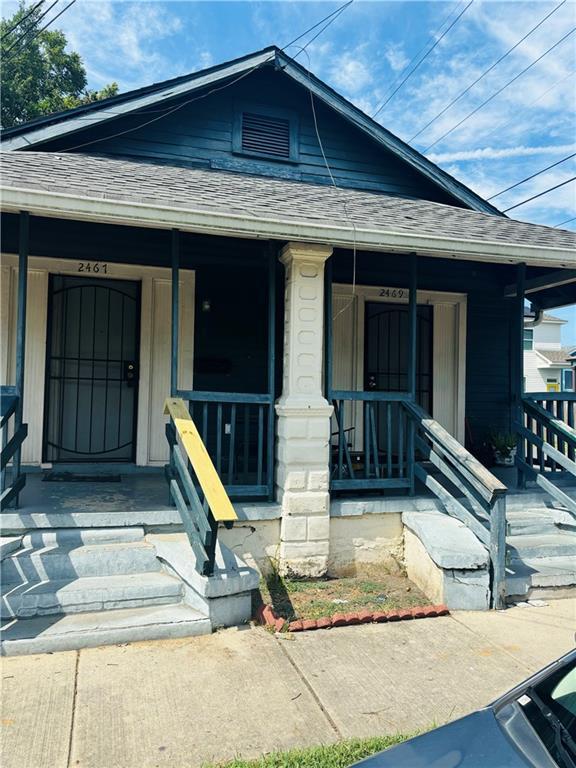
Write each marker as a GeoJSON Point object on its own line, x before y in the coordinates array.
{"type": "Point", "coordinates": [92, 266]}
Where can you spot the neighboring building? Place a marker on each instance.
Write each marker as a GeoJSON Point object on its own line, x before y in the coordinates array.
{"type": "Point", "coordinates": [548, 366]}
{"type": "Point", "coordinates": [347, 356]}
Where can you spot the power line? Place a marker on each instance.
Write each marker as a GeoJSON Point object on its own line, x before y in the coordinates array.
{"type": "Point", "coordinates": [508, 52]}
{"type": "Point", "coordinates": [332, 20]}
{"type": "Point", "coordinates": [540, 194]}
{"type": "Point", "coordinates": [30, 29]}
{"type": "Point", "coordinates": [52, 20]}
{"type": "Point", "coordinates": [532, 177]}
{"type": "Point", "coordinates": [22, 20]}
{"type": "Point", "coordinates": [337, 11]}
{"type": "Point", "coordinates": [395, 91]}
{"type": "Point", "coordinates": [499, 91]}
{"type": "Point", "coordinates": [565, 222]}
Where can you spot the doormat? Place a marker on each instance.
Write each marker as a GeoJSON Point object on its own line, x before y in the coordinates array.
{"type": "Point", "coordinates": [74, 477]}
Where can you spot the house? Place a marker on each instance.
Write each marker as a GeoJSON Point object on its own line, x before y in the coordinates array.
{"type": "Point", "coordinates": [239, 276]}
{"type": "Point", "coordinates": [548, 366]}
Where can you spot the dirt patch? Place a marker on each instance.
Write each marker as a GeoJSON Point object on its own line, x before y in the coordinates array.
{"type": "Point", "coordinates": [372, 589]}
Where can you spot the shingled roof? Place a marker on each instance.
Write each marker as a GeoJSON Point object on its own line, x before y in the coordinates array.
{"type": "Point", "coordinates": [342, 216]}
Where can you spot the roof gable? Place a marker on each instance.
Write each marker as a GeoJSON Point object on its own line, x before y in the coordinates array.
{"type": "Point", "coordinates": [199, 84]}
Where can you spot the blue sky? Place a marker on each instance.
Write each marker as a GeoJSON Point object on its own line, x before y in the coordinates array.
{"type": "Point", "coordinates": [363, 54]}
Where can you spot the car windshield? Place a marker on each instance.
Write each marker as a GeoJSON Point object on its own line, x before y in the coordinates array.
{"type": "Point", "coordinates": [551, 708]}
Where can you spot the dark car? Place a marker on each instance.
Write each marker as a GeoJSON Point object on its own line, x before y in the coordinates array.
{"type": "Point", "coordinates": [532, 726]}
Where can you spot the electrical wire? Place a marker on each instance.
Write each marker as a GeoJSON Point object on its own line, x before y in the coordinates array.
{"type": "Point", "coordinates": [22, 20]}
{"type": "Point", "coordinates": [499, 91]}
{"type": "Point", "coordinates": [337, 11]}
{"type": "Point", "coordinates": [495, 64]}
{"type": "Point", "coordinates": [409, 75]}
{"type": "Point", "coordinates": [533, 176]}
{"type": "Point", "coordinates": [564, 222]}
{"type": "Point", "coordinates": [332, 20]}
{"type": "Point", "coordinates": [540, 194]}
{"type": "Point", "coordinates": [52, 20]}
{"type": "Point", "coordinates": [30, 29]}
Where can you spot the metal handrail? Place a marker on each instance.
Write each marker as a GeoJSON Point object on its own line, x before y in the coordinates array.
{"type": "Point", "coordinates": [200, 512]}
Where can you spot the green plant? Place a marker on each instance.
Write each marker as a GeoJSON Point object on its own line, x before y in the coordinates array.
{"type": "Point", "coordinates": [503, 442]}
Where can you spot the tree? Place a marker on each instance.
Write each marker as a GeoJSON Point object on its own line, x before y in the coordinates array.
{"type": "Point", "coordinates": [39, 76]}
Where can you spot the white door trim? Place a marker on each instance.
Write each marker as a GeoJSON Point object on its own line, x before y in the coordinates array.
{"type": "Point", "coordinates": [152, 279]}
{"type": "Point", "coordinates": [452, 354]}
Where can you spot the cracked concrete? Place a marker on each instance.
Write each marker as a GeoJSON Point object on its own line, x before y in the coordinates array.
{"type": "Point", "coordinates": [244, 692]}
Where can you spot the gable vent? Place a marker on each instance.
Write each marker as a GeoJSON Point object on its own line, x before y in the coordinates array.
{"type": "Point", "coordinates": [265, 134]}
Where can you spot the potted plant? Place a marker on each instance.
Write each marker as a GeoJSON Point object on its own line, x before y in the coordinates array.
{"type": "Point", "coordinates": [504, 447]}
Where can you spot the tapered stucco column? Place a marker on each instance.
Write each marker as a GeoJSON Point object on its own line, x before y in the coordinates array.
{"type": "Point", "coordinates": [303, 444]}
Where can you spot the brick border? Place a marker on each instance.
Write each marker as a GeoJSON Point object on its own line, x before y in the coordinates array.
{"type": "Point", "coordinates": [266, 615]}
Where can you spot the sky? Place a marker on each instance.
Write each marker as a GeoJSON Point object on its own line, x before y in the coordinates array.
{"type": "Point", "coordinates": [365, 54]}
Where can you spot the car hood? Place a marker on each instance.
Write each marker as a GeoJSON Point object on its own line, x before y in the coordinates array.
{"type": "Point", "coordinates": [475, 741]}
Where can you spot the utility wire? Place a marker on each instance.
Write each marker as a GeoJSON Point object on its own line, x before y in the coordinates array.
{"type": "Point", "coordinates": [409, 75]}
{"type": "Point", "coordinates": [558, 162]}
{"type": "Point", "coordinates": [564, 222]}
{"type": "Point", "coordinates": [332, 20]}
{"type": "Point", "coordinates": [22, 20]}
{"type": "Point", "coordinates": [499, 91]}
{"type": "Point", "coordinates": [540, 194]}
{"type": "Point", "coordinates": [337, 11]}
{"type": "Point", "coordinates": [52, 20]}
{"type": "Point", "coordinates": [30, 29]}
{"type": "Point", "coordinates": [495, 64]}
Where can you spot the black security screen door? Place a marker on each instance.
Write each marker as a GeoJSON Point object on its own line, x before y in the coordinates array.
{"type": "Point", "coordinates": [387, 350]}
{"type": "Point", "coordinates": [91, 369]}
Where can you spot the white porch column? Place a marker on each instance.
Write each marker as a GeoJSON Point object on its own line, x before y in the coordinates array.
{"type": "Point", "coordinates": [303, 416]}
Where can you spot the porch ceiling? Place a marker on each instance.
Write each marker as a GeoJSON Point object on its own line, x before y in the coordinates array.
{"type": "Point", "coordinates": [156, 194]}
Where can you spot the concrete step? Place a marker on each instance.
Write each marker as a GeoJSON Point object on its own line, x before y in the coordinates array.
{"type": "Point", "coordinates": [89, 630]}
{"type": "Point", "coordinates": [541, 578]}
{"type": "Point", "coordinates": [66, 564]}
{"type": "Point", "coordinates": [535, 546]}
{"type": "Point", "coordinates": [101, 593]}
{"type": "Point", "coordinates": [530, 522]}
{"type": "Point", "coordinates": [78, 536]}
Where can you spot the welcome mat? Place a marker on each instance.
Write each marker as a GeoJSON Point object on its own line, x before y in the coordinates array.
{"type": "Point", "coordinates": [74, 477]}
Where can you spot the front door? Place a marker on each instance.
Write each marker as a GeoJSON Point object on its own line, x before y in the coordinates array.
{"type": "Point", "coordinates": [386, 334]}
{"type": "Point", "coordinates": [91, 369]}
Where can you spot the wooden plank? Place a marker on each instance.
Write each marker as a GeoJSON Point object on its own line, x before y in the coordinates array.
{"type": "Point", "coordinates": [13, 445]}
{"type": "Point", "coordinates": [198, 515]}
{"type": "Point", "coordinates": [195, 449]}
{"type": "Point", "coordinates": [549, 450]}
{"type": "Point", "coordinates": [223, 397]}
{"type": "Point", "coordinates": [453, 506]}
{"type": "Point", "coordinates": [550, 422]}
{"type": "Point", "coordinates": [12, 491]}
{"type": "Point", "coordinates": [498, 552]}
{"type": "Point", "coordinates": [541, 480]}
{"type": "Point", "coordinates": [191, 532]}
{"type": "Point", "coordinates": [383, 397]}
{"type": "Point", "coordinates": [362, 483]}
{"type": "Point", "coordinates": [549, 280]}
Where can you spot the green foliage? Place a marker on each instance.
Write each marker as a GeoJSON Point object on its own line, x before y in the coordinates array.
{"type": "Point", "coordinates": [339, 755]}
{"type": "Point", "coordinates": [503, 442]}
{"type": "Point", "coordinates": [39, 76]}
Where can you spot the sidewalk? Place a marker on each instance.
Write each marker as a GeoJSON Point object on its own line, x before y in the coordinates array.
{"type": "Point", "coordinates": [243, 692]}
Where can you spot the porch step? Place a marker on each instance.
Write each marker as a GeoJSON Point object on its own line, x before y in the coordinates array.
{"type": "Point", "coordinates": [541, 578]}
{"type": "Point", "coordinates": [100, 593]}
{"type": "Point", "coordinates": [89, 630]}
{"type": "Point", "coordinates": [537, 546]}
{"type": "Point", "coordinates": [79, 536]}
{"type": "Point", "coordinates": [527, 522]}
{"type": "Point", "coordinates": [61, 563]}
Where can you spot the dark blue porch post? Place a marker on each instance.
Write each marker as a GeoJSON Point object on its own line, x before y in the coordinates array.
{"type": "Point", "coordinates": [23, 246]}
{"type": "Point", "coordinates": [175, 311]}
{"type": "Point", "coordinates": [272, 259]}
{"type": "Point", "coordinates": [412, 357]}
{"type": "Point", "coordinates": [328, 330]}
{"type": "Point", "coordinates": [518, 363]}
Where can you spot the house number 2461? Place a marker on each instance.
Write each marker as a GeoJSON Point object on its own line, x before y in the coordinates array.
{"type": "Point", "coordinates": [92, 266]}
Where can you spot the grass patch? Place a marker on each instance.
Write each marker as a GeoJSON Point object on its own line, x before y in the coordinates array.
{"type": "Point", "coordinates": [374, 589]}
{"type": "Point", "coordinates": [339, 755]}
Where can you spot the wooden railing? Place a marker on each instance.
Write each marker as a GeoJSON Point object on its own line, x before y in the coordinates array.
{"type": "Point", "coordinates": [195, 486]}
{"type": "Point", "coordinates": [11, 479]}
{"type": "Point", "coordinates": [547, 442]}
{"type": "Point", "coordinates": [238, 432]}
{"type": "Point", "coordinates": [372, 441]}
{"type": "Point", "coordinates": [463, 474]}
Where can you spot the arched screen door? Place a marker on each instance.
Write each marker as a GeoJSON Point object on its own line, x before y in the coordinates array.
{"type": "Point", "coordinates": [91, 369]}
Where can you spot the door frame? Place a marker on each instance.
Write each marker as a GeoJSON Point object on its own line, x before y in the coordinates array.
{"type": "Point", "coordinates": [137, 335]}
{"type": "Point", "coordinates": [152, 280]}
{"type": "Point", "coordinates": [454, 354]}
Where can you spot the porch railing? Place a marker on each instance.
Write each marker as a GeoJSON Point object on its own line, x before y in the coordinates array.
{"type": "Point", "coordinates": [11, 479]}
{"type": "Point", "coordinates": [238, 432]}
{"type": "Point", "coordinates": [547, 442]}
{"type": "Point", "coordinates": [463, 476]}
{"type": "Point", "coordinates": [195, 486]}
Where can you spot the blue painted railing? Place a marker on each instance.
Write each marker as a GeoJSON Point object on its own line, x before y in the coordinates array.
{"type": "Point", "coordinates": [12, 480]}
{"type": "Point", "coordinates": [238, 432]}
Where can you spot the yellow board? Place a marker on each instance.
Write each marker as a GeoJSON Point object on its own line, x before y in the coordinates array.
{"type": "Point", "coordinates": [208, 478]}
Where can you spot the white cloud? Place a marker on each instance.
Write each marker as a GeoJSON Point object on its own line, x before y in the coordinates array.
{"type": "Point", "coordinates": [351, 74]}
{"type": "Point", "coordinates": [395, 56]}
{"type": "Point", "coordinates": [493, 153]}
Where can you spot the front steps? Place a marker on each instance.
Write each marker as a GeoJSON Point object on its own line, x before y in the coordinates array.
{"type": "Point", "coordinates": [70, 588]}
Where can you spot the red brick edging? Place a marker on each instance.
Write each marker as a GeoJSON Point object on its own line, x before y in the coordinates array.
{"type": "Point", "coordinates": [266, 615]}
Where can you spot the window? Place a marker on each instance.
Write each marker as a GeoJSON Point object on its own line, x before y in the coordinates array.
{"type": "Point", "coordinates": [265, 132]}
{"type": "Point", "coordinates": [528, 338]}
{"type": "Point", "coordinates": [568, 375]}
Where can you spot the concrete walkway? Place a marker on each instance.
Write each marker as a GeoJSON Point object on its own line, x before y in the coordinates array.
{"type": "Point", "coordinates": [244, 692]}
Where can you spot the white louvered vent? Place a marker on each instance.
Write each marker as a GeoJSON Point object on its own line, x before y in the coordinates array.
{"type": "Point", "coordinates": [265, 134]}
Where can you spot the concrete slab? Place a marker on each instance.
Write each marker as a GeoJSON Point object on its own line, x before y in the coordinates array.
{"type": "Point", "coordinates": [192, 702]}
{"type": "Point", "coordinates": [37, 705]}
